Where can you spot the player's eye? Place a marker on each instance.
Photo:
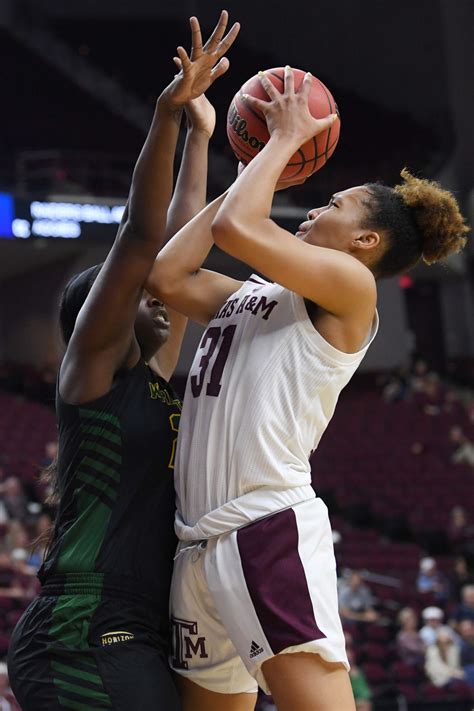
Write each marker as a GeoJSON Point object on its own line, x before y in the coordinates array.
{"type": "Point", "coordinates": [332, 203]}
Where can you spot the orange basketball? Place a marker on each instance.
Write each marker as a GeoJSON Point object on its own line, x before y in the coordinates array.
{"type": "Point", "coordinates": [247, 129]}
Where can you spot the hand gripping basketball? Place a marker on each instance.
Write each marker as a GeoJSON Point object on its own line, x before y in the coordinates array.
{"type": "Point", "coordinates": [300, 106]}
{"type": "Point", "coordinates": [288, 112]}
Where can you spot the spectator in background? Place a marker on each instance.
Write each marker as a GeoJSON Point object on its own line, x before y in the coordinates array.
{"type": "Point", "coordinates": [19, 559]}
{"type": "Point", "coordinates": [50, 453]}
{"type": "Point", "coordinates": [466, 632]}
{"type": "Point", "coordinates": [14, 498]}
{"type": "Point", "coordinates": [459, 576]}
{"type": "Point", "coordinates": [442, 661]}
{"type": "Point", "coordinates": [418, 377]}
{"type": "Point", "coordinates": [431, 580]}
{"type": "Point", "coordinates": [452, 406]}
{"type": "Point", "coordinates": [433, 619]}
{"type": "Point", "coordinates": [460, 530]}
{"type": "Point", "coordinates": [417, 448]}
{"type": "Point", "coordinates": [465, 609]}
{"type": "Point", "coordinates": [6, 573]}
{"type": "Point", "coordinates": [43, 529]}
{"type": "Point", "coordinates": [3, 513]}
{"type": "Point", "coordinates": [3, 509]}
{"type": "Point", "coordinates": [469, 410]}
{"type": "Point", "coordinates": [13, 584]}
{"type": "Point", "coordinates": [17, 537]}
{"type": "Point", "coordinates": [397, 387]}
{"type": "Point", "coordinates": [464, 448]}
{"type": "Point", "coordinates": [360, 686]}
{"type": "Point", "coordinates": [410, 645]}
{"type": "Point", "coordinates": [7, 700]}
{"type": "Point", "coordinates": [433, 395]}
{"type": "Point", "coordinates": [356, 601]}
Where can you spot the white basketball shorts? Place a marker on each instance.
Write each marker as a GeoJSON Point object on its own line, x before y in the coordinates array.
{"type": "Point", "coordinates": [242, 597]}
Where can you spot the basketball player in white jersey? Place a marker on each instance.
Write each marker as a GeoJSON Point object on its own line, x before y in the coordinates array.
{"type": "Point", "coordinates": [254, 598]}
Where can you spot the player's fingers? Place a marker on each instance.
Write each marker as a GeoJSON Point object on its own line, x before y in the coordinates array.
{"type": "Point", "coordinates": [218, 33]}
{"type": "Point", "coordinates": [326, 122]}
{"type": "Point", "coordinates": [228, 40]}
{"type": "Point", "coordinates": [254, 103]}
{"type": "Point", "coordinates": [268, 86]}
{"type": "Point", "coordinates": [183, 56]}
{"type": "Point", "coordinates": [289, 80]}
{"type": "Point", "coordinates": [178, 63]}
{"type": "Point", "coordinates": [196, 38]}
{"type": "Point", "coordinates": [221, 67]}
{"type": "Point", "coordinates": [306, 85]}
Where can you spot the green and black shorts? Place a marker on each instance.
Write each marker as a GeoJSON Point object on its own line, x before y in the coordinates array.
{"type": "Point", "coordinates": [85, 645]}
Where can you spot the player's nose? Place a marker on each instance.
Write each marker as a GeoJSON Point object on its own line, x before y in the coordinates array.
{"type": "Point", "coordinates": [152, 301]}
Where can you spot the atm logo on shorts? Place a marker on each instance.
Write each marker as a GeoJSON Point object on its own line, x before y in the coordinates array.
{"type": "Point", "coordinates": [186, 643]}
{"type": "Point", "coordinates": [114, 637]}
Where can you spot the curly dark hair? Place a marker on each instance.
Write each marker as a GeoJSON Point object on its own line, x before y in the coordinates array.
{"type": "Point", "coordinates": [420, 219]}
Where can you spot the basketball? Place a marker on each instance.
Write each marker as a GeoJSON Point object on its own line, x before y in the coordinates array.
{"type": "Point", "coordinates": [248, 134]}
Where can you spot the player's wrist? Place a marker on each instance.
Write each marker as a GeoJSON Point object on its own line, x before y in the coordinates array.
{"type": "Point", "coordinates": [167, 105]}
{"type": "Point", "coordinates": [285, 140]}
{"type": "Point", "coordinates": [199, 133]}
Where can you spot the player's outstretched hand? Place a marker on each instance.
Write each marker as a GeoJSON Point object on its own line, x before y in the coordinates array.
{"type": "Point", "coordinates": [288, 113]}
{"type": "Point", "coordinates": [203, 66]}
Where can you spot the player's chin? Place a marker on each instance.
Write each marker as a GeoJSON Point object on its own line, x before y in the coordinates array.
{"type": "Point", "coordinates": [162, 333]}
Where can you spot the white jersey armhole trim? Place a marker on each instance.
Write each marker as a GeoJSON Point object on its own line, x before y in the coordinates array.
{"type": "Point", "coordinates": [310, 332]}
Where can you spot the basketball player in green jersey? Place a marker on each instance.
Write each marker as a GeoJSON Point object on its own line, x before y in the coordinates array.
{"type": "Point", "coordinates": [97, 635]}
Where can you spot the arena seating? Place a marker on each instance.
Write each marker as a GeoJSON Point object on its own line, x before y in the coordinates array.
{"type": "Point", "coordinates": [365, 459]}
{"type": "Point", "coordinates": [366, 471]}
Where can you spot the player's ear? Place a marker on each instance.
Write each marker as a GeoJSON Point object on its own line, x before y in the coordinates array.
{"type": "Point", "coordinates": [368, 239]}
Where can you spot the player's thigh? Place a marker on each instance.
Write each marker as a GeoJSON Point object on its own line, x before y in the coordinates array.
{"type": "Point", "coordinates": [305, 682]}
{"type": "Point", "coordinates": [196, 698]}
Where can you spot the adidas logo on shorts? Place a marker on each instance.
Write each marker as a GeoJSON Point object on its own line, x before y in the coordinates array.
{"type": "Point", "coordinates": [255, 650]}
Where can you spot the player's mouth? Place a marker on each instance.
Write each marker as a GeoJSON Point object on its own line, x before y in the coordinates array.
{"type": "Point", "coordinates": [303, 229]}
{"type": "Point", "coordinates": [160, 318]}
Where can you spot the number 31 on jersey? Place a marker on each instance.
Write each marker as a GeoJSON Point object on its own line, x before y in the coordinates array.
{"type": "Point", "coordinates": [214, 337]}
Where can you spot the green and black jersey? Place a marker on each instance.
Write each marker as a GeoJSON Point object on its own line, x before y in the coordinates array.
{"type": "Point", "coordinates": [115, 524]}
{"type": "Point", "coordinates": [97, 635]}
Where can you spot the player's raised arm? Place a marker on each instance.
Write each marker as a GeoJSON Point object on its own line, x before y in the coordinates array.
{"type": "Point", "coordinates": [243, 227]}
{"type": "Point", "coordinates": [105, 326]}
{"type": "Point", "coordinates": [189, 199]}
{"type": "Point", "coordinates": [177, 278]}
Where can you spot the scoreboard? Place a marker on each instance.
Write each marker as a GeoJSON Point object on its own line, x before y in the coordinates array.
{"type": "Point", "coordinates": [84, 219]}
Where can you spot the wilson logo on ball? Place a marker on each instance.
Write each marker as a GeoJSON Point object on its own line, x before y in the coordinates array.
{"type": "Point", "coordinates": [239, 126]}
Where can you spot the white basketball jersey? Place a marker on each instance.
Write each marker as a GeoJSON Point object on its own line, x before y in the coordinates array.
{"type": "Point", "coordinates": [261, 390]}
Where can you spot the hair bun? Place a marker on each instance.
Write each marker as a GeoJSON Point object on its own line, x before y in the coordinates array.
{"type": "Point", "coordinates": [436, 214]}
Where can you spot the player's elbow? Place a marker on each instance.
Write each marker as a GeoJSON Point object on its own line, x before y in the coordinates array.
{"type": "Point", "coordinates": [161, 283]}
{"type": "Point", "coordinates": [225, 231]}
